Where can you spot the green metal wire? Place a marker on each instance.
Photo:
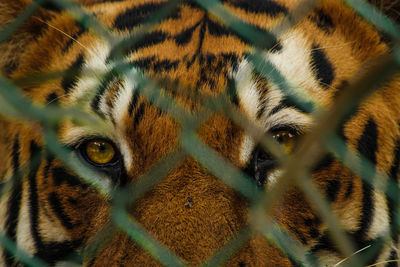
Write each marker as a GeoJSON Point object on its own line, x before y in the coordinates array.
{"type": "Point", "coordinates": [190, 145]}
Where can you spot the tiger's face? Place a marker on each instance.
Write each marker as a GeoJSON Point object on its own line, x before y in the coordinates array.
{"type": "Point", "coordinates": [152, 106]}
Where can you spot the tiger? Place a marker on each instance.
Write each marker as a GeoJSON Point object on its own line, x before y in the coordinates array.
{"type": "Point", "coordinates": [64, 58]}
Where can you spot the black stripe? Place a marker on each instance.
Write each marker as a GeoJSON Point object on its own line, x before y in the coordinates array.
{"type": "Point", "coordinates": [300, 105]}
{"type": "Point", "coordinates": [367, 147]}
{"type": "Point", "coordinates": [185, 36]}
{"type": "Point", "coordinates": [143, 63]}
{"type": "Point", "coordinates": [322, 66]}
{"type": "Point", "coordinates": [133, 102]}
{"type": "Point", "coordinates": [332, 189]}
{"type": "Point", "coordinates": [349, 190]}
{"type": "Point", "coordinates": [232, 59]}
{"type": "Point", "coordinates": [14, 202]}
{"type": "Point", "coordinates": [261, 110]}
{"type": "Point", "coordinates": [368, 143]}
{"type": "Point", "coordinates": [393, 257]}
{"type": "Point", "coordinates": [165, 65]}
{"type": "Point", "coordinates": [10, 66]}
{"type": "Point", "coordinates": [268, 7]}
{"type": "Point", "coordinates": [58, 209]}
{"type": "Point", "coordinates": [71, 41]}
{"type": "Point", "coordinates": [36, 156]}
{"type": "Point", "coordinates": [72, 74]}
{"type": "Point", "coordinates": [52, 98]}
{"type": "Point", "coordinates": [232, 92]}
{"type": "Point", "coordinates": [324, 162]}
{"type": "Point", "coordinates": [277, 47]}
{"type": "Point", "coordinates": [139, 114]}
{"type": "Point", "coordinates": [137, 15]}
{"type": "Point", "coordinates": [203, 29]}
{"type": "Point", "coordinates": [122, 178]}
{"type": "Point", "coordinates": [322, 20]}
{"type": "Point", "coordinates": [109, 78]}
{"type": "Point", "coordinates": [49, 163]}
{"type": "Point", "coordinates": [386, 38]}
{"type": "Point", "coordinates": [60, 176]}
{"type": "Point", "coordinates": [128, 46]}
{"type": "Point", "coordinates": [217, 29]}
{"type": "Point", "coordinates": [286, 103]}
{"type": "Point", "coordinates": [58, 251]}
{"type": "Point", "coordinates": [15, 155]}
{"type": "Point", "coordinates": [153, 38]}
{"type": "Point", "coordinates": [92, 261]}
{"type": "Point", "coordinates": [277, 108]}
{"type": "Point", "coordinates": [50, 6]}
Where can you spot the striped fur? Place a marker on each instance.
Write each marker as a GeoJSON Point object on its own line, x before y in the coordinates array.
{"type": "Point", "coordinates": [51, 213]}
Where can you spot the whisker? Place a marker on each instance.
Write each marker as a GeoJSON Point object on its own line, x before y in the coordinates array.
{"type": "Point", "coordinates": [327, 85]}
{"type": "Point", "coordinates": [382, 262]}
{"type": "Point", "coordinates": [66, 34]}
{"type": "Point", "coordinates": [56, 99]}
{"type": "Point", "coordinates": [345, 259]}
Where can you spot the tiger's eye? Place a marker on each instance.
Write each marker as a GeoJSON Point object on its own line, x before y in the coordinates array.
{"type": "Point", "coordinates": [100, 151]}
{"type": "Point", "coordinates": [286, 139]}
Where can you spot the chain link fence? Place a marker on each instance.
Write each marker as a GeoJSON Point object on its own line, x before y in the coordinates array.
{"type": "Point", "coordinates": [321, 139]}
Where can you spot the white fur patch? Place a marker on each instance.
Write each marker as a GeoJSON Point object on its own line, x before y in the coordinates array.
{"type": "Point", "coordinates": [289, 116]}
{"type": "Point", "coordinates": [246, 149]}
{"type": "Point", "coordinates": [249, 99]}
{"type": "Point", "coordinates": [3, 214]}
{"type": "Point", "coordinates": [272, 99]}
{"type": "Point", "coordinates": [119, 112]}
{"type": "Point", "coordinates": [247, 89]}
{"type": "Point", "coordinates": [51, 230]}
{"type": "Point", "coordinates": [24, 234]}
{"type": "Point", "coordinates": [380, 219]}
{"type": "Point", "coordinates": [273, 178]}
{"type": "Point", "coordinates": [121, 104]}
{"type": "Point", "coordinates": [125, 151]}
{"type": "Point", "coordinates": [293, 60]}
{"type": "Point", "coordinates": [77, 133]}
{"type": "Point", "coordinates": [95, 66]}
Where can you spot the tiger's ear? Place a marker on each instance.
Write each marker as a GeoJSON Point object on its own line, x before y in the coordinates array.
{"type": "Point", "coordinates": [12, 47]}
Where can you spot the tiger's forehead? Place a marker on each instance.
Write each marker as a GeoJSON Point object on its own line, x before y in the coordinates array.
{"type": "Point", "coordinates": [196, 50]}
{"type": "Point", "coordinates": [190, 44]}
{"type": "Point", "coordinates": [192, 47]}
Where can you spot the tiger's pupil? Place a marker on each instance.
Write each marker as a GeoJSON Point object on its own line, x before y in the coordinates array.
{"type": "Point", "coordinates": [286, 139]}
{"type": "Point", "coordinates": [100, 152]}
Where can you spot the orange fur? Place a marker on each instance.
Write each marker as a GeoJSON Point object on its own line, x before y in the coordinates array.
{"type": "Point", "coordinates": [217, 212]}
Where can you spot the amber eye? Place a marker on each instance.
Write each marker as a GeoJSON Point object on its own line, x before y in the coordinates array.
{"type": "Point", "coordinates": [100, 152]}
{"type": "Point", "coordinates": [286, 139]}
